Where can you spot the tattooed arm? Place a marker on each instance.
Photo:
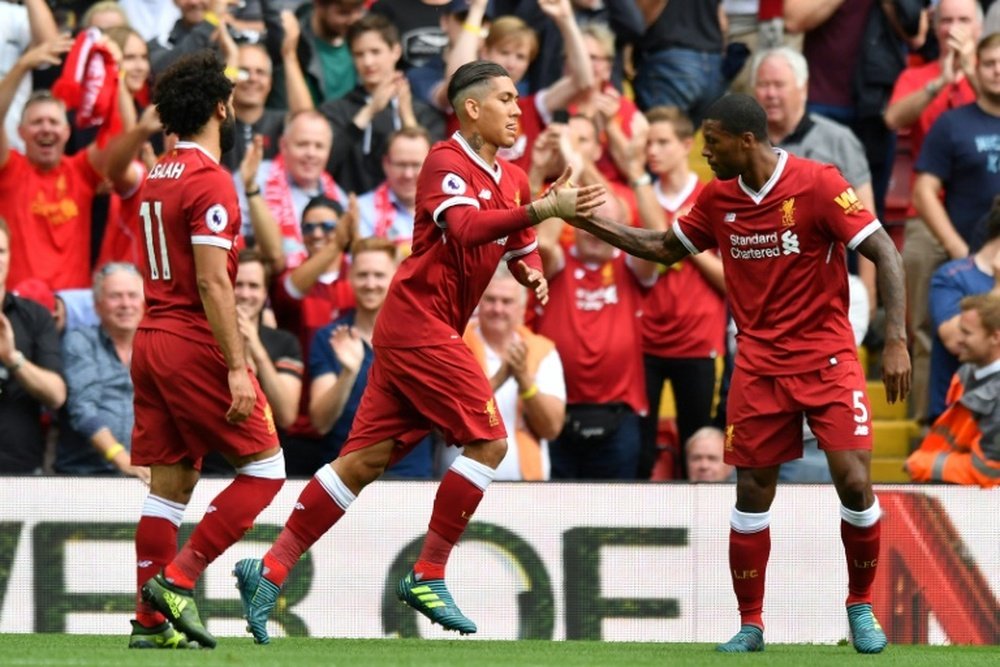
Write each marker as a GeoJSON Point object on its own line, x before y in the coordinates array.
{"type": "Point", "coordinates": [655, 245]}
{"type": "Point", "coordinates": [880, 249]}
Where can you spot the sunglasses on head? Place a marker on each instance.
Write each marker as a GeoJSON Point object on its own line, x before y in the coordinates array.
{"type": "Point", "coordinates": [327, 226]}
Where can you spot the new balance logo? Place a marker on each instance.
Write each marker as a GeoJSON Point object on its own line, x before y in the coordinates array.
{"type": "Point", "coordinates": [790, 243]}
{"type": "Point", "coordinates": [299, 506]}
{"type": "Point", "coordinates": [485, 194]}
{"type": "Point", "coordinates": [144, 563]}
{"type": "Point", "coordinates": [861, 430]}
{"type": "Point", "coordinates": [211, 508]}
{"type": "Point", "coordinates": [729, 217]}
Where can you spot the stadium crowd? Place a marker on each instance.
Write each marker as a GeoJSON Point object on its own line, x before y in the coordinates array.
{"type": "Point", "coordinates": [337, 104]}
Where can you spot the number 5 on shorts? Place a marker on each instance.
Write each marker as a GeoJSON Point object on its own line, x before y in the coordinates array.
{"type": "Point", "coordinates": [859, 404]}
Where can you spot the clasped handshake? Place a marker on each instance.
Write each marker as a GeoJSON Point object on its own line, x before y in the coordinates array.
{"type": "Point", "coordinates": [567, 201]}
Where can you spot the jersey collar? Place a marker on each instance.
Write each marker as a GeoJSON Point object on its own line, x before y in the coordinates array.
{"type": "Point", "coordinates": [493, 171]}
{"type": "Point", "coordinates": [195, 146]}
{"type": "Point", "coordinates": [758, 197]}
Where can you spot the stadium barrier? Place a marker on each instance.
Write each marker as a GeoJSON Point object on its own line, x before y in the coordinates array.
{"type": "Point", "coordinates": [618, 562]}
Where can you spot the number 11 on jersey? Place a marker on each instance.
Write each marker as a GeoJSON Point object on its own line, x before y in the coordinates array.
{"type": "Point", "coordinates": [147, 225]}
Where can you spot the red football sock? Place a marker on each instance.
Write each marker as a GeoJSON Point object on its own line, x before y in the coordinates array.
{"type": "Point", "coordinates": [228, 518]}
{"type": "Point", "coordinates": [315, 513]}
{"type": "Point", "coordinates": [155, 546]}
{"type": "Point", "coordinates": [456, 501]}
{"type": "Point", "coordinates": [861, 546]}
{"type": "Point", "coordinates": [748, 554]}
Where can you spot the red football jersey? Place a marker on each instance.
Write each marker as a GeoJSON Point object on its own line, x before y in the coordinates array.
{"type": "Point", "coordinates": [188, 199]}
{"type": "Point", "coordinates": [683, 316]}
{"type": "Point", "coordinates": [593, 318]}
{"type": "Point", "coordinates": [438, 286]}
{"type": "Point", "coordinates": [783, 253]}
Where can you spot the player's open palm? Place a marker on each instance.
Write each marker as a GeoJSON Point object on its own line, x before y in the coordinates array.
{"type": "Point", "coordinates": [896, 370]}
{"type": "Point", "coordinates": [244, 396]}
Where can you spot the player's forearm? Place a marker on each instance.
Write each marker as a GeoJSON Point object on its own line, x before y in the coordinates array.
{"type": "Point", "coordinates": [220, 308]}
{"type": "Point", "coordinates": [880, 249]}
{"type": "Point", "coordinates": [469, 226]}
{"type": "Point", "coordinates": [656, 246]}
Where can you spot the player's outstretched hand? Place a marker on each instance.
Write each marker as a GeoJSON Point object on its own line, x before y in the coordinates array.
{"type": "Point", "coordinates": [567, 201]}
{"type": "Point", "coordinates": [244, 397]}
{"type": "Point", "coordinates": [895, 370]}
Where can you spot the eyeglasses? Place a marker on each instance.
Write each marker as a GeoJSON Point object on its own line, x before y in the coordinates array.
{"type": "Point", "coordinates": [309, 228]}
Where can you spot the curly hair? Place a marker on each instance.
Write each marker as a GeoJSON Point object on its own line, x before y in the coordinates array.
{"type": "Point", "coordinates": [187, 92]}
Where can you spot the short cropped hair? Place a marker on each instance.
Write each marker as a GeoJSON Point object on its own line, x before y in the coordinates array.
{"type": "Point", "coordinates": [188, 91]}
{"type": "Point", "coordinates": [44, 96]}
{"type": "Point", "coordinates": [322, 201]}
{"type": "Point", "coordinates": [738, 113]}
{"type": "Point", "coordinates": [374, 244]}
{"type": "Point", "coordinates": [796, 62]}
{"type": "Point", "coordinates": [683, 127]}
{"type": "Point", "coordinates": [471, 76]}
{"type": "Point", "coordinates": [988, 307]}
{"type": "Point", "coordinates": [373, 23]}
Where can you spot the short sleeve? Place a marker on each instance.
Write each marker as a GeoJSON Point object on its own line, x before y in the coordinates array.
{"type": "Point", "coordinates": [840, 211]}
{"type": "Point", "coordinates": [322, 360]}
{"type": "Point", "coordinates": [213, 213]}
{"type": "Point", "coordinates": [694, 229]}
{"type": "Point", "coordinates": [444, 183]}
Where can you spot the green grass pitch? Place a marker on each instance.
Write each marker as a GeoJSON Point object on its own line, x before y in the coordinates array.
{"type": "Point", "coordinates": [20, 650]}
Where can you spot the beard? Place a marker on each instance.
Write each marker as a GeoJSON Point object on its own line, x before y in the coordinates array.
{"type": "Point", "coordinates": [227, 132]}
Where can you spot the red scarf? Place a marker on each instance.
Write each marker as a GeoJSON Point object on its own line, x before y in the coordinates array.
{"type": "Point", "coordinates": [278, 195]}
{"type": "Point", "coordinates": [385, 212]}
{"type": "Point", "coordinates": [89, 85]}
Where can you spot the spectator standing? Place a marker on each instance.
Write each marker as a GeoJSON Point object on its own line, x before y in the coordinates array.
{"type": "Point", "coordinates": [30, 373]}
{"type": "Point", "coordinates": [600, 291]}
{"type": "Point", "coordinates": [381, 103]}
{"type": "Point", "coordinates": [684, 314]}
{"type": "Point", "coordinates": [922, 93]}
{"type": "Point", "coordinates": [323, 51]}
{"type": "Point", "coordinates": [95, 433]}
{"type": "Point", "coordinates": [22, 26]}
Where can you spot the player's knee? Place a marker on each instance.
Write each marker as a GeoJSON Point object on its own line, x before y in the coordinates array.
{"type": "Point", "coordinates": [854, 487]}
{"type": "Point", "coordinates": [487, 452]}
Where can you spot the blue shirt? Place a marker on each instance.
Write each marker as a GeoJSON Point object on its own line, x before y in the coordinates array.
{"type": "Point", "coordinates": [322, 359]}
{"type": "Point", "coordinates": [99, 395]}
{"type": "Point", "coordinates": [963, 150]}
{"type": "Point", "coordinates": [951, 282]}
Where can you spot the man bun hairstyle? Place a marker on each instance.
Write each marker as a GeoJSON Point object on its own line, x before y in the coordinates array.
{"type": "Point", "coordinates": [738, 113]}
{"type": "Point", "coordinates": [187, 92]}
{"type": "Point", "coordinates": [471, 75]}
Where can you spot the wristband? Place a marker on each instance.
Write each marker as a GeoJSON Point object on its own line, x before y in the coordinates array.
{"type": "Point", "coordinates": [113, 451]}
{"type": "Point", "coordinates": [472, 29]}
{"type": "Point", "coordinates": [530, 392]}
{"type": "Point", "coordinates": [19, 360]}
{"type": "Point", "coordinates": [232, 73]}
{"type": "Point", "coordinates": [253, 193]}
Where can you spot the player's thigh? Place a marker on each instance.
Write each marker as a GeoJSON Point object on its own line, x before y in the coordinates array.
{"type": "Point", "coordinates": [763, 429]}
{"type": "Point", "coordinates": [385, 414]}
{"type": "Point", "coordinates": [156, 439]}
{"type": "Point", "coordinates": [836, 403]}
{"type": "Point", "coordinates": [197, 396]}
{"type": "Point", "coordinates": [446, 385]}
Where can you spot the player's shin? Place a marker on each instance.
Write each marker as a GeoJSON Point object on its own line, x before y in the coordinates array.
{"type": "Point", "coordinates": [861, 535]}
{"type": "Point", "coordinates": [749, 549]}
{"type": "Point", "coordinates": [322, 503]}
{"type": "Point", "coordinates": [458, 496]}
{"type": "Point", "coordinates": [229, 516]}
{"type": "Point", "coordinates": [155, 546]}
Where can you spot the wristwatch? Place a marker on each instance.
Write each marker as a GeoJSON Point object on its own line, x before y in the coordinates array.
{"type": "Point", "coordinates": [645, 179]}
{"type": "Point", "coordinates": [933, 87]}
{"type": "Point", "coordinates": [19, 360]}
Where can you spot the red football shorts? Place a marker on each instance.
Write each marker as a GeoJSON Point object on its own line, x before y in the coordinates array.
{"type": "Point", "coordinates": [181, 399]}
{"type": "Point", "coordinates": [412, 390]}
{"type": "Point", "coordinates": [764, 414]}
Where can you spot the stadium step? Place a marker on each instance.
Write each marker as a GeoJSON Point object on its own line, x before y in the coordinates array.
{"type": "Point", "coordinates": [882, 409]}
{"type": "Point", "coordinates": [893, 436]}
{"type": "Point", "coordinates": [888, 470]}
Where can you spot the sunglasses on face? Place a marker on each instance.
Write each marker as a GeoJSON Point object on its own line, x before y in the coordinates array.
{"type": "Point", "coordinates": [327, 226]}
